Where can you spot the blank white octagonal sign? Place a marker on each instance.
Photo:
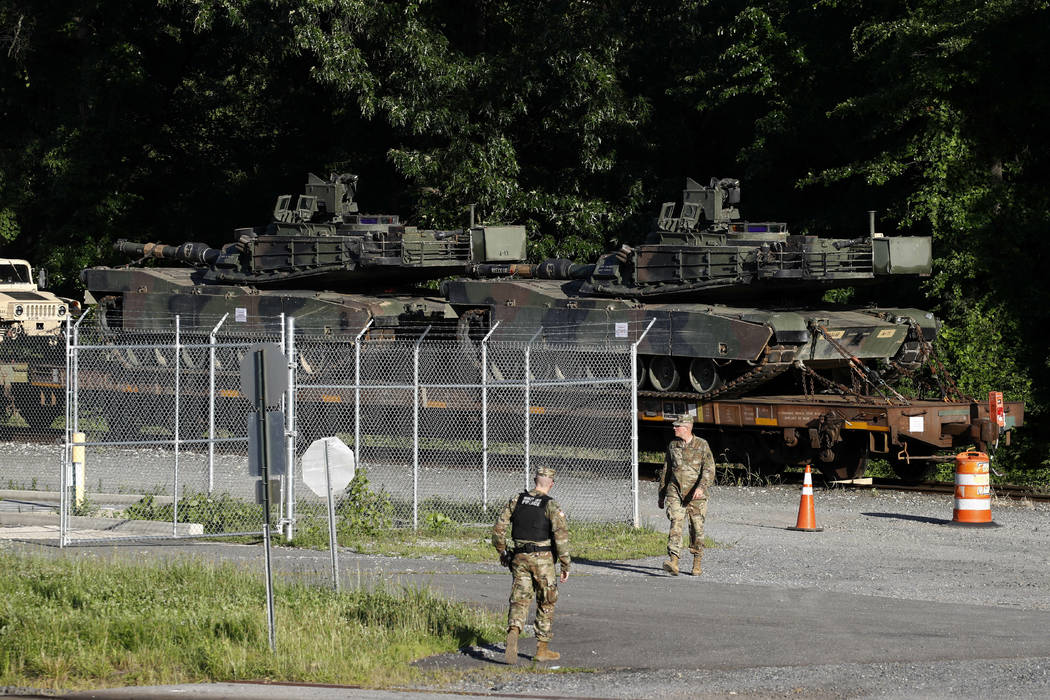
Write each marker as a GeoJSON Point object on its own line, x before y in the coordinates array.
{"type": "Point", "coordinates": [340, 465]}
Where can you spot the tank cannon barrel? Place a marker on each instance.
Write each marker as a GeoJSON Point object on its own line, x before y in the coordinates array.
{"type": "Point", "coordinates": [551, 269]}
{"type": "Point", "coordinates": [839, 245]}
{"type": "Point", "coordinates": [193, 253]}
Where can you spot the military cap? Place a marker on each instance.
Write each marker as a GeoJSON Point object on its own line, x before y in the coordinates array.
{"type": "Point", "coordinates": [684, 419]}
{"type": "Point", "coordinates": [545, 471]}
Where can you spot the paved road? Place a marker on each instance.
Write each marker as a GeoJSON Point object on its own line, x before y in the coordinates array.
{"type": "Point", "coordinates": [889, 601]}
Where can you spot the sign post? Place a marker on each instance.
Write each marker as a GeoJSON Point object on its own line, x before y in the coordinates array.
{"type": "Point", "coordinates": [328, 466]}
{"type": "Point", "coordinates": [264, 380]}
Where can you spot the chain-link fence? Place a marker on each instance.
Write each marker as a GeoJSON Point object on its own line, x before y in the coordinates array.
{"type": "Point", "coordinates": [453, 429]}
{"type": "Point", "coordinates": [157, 436]}
{"type": "Point", "coordinates": [149, 433]}
{"type": "Point", "coordinates": [32, 414]}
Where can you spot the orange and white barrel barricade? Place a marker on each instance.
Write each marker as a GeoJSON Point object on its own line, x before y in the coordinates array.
{"type": "Point", "coordinates": [807, 517]}
{"type": "Point", "coordinates": [973, 490]}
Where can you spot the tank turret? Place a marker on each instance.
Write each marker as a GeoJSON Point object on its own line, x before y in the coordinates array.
{"type": "Point", "coordinates": [707, 253]}
{"type": "Point", "coordinates": [323, 242]}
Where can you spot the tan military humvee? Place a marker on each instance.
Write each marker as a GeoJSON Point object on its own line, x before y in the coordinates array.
{"type": "Point", "coordinates": [25, 309]}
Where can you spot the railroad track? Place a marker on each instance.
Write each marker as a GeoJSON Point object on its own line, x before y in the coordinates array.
{"type": "Point", "coordinates": [30, 435]}
{"type": "Point", "coordinates": [1017, 493]}
{"type": "Point", "coordinates": [650, 471]}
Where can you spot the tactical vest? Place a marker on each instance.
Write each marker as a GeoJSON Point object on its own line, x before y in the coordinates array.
{"type": "Point", "coordinates": [530, 521]}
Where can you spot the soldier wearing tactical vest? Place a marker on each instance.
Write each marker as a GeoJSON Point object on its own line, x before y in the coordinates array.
{"type": "Point", "coordinates": [539, 532]}
{"type": "Point", "coordinates": [689, 471]}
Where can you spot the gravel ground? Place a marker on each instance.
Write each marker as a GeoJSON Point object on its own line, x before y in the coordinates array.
{"type": "Point", "coordinates": [881, 543]}
{"type": "Point", "coordinates": [875, 542]}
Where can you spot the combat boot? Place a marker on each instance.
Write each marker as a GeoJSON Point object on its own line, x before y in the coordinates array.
{"type": "Point", "coordinates": [545, 654]}
{"type": "Point", "coordinates": [696, 563]}
{"type": "Point", "coordinates": [512, 646]}
{"type": "Point", "coordinates": [671, 565]}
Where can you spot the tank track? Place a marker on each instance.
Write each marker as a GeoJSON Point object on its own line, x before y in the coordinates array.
{"type": "Point", "coordinates": [776, 360]}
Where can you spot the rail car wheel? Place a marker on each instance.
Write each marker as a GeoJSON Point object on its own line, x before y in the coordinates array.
{"type": "Point", "coordinates": [850, 459]}
{"type": "Point", "coordinates": [704, 375]}
{"type": "Point", "coordinates": [663, 373]}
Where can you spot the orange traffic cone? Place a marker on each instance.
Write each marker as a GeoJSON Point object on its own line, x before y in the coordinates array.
{"type": "Point", "coordinates": [807, 517]}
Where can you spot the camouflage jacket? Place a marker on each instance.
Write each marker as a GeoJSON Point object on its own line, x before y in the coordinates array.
{"type": "Point", "coordinates": [686, 465]}
{"type": "Point", "coordinates": [559, 525]}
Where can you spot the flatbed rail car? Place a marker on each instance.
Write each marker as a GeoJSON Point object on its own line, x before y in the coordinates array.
{"type": "Point", "coordinates": [838, 434]}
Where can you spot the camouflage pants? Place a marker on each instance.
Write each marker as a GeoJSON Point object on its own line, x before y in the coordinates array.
{"type": "Point", "coordinates": [533, 573]}
{"type": "Point", "coordinates": [696, 511]}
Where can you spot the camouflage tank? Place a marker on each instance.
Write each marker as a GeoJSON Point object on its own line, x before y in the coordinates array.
{"type": "Point", "coordinates": [302, 264]}
{"type": "Point", "coordinates": [733, 303]}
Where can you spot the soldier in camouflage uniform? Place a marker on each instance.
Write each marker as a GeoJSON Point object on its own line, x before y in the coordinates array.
{"type": "Point", "coordinates": [539, 530]}
{"type": "Point", "coordinates": [689, 471]}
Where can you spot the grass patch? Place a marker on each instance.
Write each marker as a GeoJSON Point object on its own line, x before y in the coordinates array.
{"type": "Point", "coordinates": [471, 543]}
{"type": "Point", "coordinates": [365, 518]}
{"type": "Point", "coordinates": [365, 523]}
{"type": "Point", "coordinates": [87, 624]}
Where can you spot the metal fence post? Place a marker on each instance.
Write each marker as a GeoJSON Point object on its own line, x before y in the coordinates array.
{"type": "Point", "coordinates": [211, 402]}
{"type": "Point", "coordinates": [67, 460]}
{"type": "Point", "coordinates": [528, 404]}
{"type": "Point", "coordinates": [283, 478]}
{"type": "Point", "coordinates": [72, 424]}
{"type": "Point", "coordinates": [357, 393]}
{"type": "Point", "coordinates": [415, 430]}
{"type": "Point", "coordinates": [634, 418]}
{"type": "Point", "coordinates": [175, 476]}
{"type": "Point", "coordinates": [289, 425]}
{"type": "Point", "coordinates": [485, 418]}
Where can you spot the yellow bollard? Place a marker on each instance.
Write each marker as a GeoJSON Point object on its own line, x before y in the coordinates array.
{"type": "Point", "coordinates": [78, 469]}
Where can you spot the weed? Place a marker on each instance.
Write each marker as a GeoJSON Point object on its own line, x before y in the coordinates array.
{"type": "Point", "coordinates": [743, 474]}
{"type": "Point", "coordinates": [216, 513]}
{"type": "Point", "coordinates": [85, 507]}
{"type": "Point", "coordinates": [438, 522]}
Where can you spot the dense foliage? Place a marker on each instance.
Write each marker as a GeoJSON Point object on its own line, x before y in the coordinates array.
{"type": "Point", "coordinates": [575, 118]}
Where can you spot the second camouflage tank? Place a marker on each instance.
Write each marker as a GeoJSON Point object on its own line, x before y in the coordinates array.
{"type": "Point", "coordinates": [728, 304]}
